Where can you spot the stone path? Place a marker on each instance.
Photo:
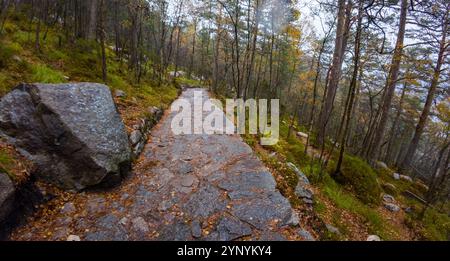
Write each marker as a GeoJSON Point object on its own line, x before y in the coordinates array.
{"type": "Point", "coordinates": [184, 187]}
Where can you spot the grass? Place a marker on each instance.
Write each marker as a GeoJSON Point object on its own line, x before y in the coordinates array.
{"type": "Point", "coordinates": [43, 74]}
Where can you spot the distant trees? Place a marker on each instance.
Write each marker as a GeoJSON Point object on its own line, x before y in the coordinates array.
{"type": "Point", "coordinates": [350, 87]}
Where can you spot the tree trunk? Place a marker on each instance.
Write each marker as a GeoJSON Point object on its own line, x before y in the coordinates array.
{"type": "Point", "coordinates": [390, 85]}
{"type": "Point", "coordinates": [92, 28]}
{"type": "Point", "coordinates": [335, 71]}
{"type": "Point", "coordinates": [430, 98]}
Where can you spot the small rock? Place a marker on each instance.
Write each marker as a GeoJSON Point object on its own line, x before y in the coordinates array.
{"type": "Point", "coordinates": [273, 155]}
{"type": "Point", "coordinates": [304, 193]}
{"type": "Point", "coordinates": [302, 177]}
{"type": "Point", "coordinates": [196, 229]}
{"type": "Point", "coordinates": [155, 112]}
{"type": "Point", "coordinates": [422, 185]}
{"type": "Point", "coordinates": [188, 181]}
{"type": "Point", "coordinates": [17, 58]}
{"type": "Point", "coordinates": [68, 208]}
{"type": "Point", "coordinates": [305, 235]}
{"type": "Point", "coordinates": [390, 188]}
{"type": "Point", "coordinates": [382, 165]}
{"type": "Point", "coordinates": [407, 178]}
{"type": "Point", "coordinates": [295, 220]}
{"type": "Point", "coordinates": [135, 137]}
{"type": "Point", "coordinates": [302, 135]}
{"type": "Point", "coordinates": [308, 201]}
{"type": "Point", "coordinates": [120, 93]}
{"type": "Point", "coordinates": [333, 229]}
{"type": "Point", "coordinates": [123, 221]}
{"type": "Point", "coordinates": [73, 238]}
{"type": "Point", "coordinates": [139, 224]}
{"type": "Point", "coordinates": [409, 210]}
{"type": "Point", "coordinates": [165, 205]}
{"type": "Point", "coordinates": [396, 176]}
{"type": "Point", "coordinates": [388, 198]}
{"type": "Point", "coordinates": [373, 238]}
{"type": "Point", "coordinates": [392, 207]}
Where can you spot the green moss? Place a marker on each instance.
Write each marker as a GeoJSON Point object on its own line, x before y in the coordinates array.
{"type": "Point", "coordinates": [7, 51]}
{"type": "Point", "coordinates": [191, 82]}
{"type": "Point", "coordinates": [345, 200]}
{"type": "Point", "coordinates": [21, 37]}
{"type": "Point", "coordinates": [43, 74]}
{"type": "Point", "coordinates": [6, 162]}
{"type": "Point", "coordinates": [436, 226]}
{"type": "Point", "coordinates": [360, 178]}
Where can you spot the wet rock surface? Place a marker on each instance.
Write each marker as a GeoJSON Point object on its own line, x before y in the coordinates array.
{"type": "Point", "coordinates": [183, 187]}
{"type": "Point", "coordinates": [7, 191]}
{"type": "Point", "coordinates": [72, 132]}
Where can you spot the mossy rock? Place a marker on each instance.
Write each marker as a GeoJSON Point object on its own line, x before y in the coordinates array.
{"type": "Point", "coordinates": [360, 178]}
{"type": "Point", "coordinates": [390, 189]}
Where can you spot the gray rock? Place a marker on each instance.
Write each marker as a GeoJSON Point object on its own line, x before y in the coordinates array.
{"type": "Point", "coordinates": [295, 219]}
{"type": "Point", "coordinates": [140, 225]}
{"type": "Point", "coordinates": [165, 205]}
{"type": "Point", "coordinates": [373, 238]}
{"type": "Point", "coordinates": [73, 238]}
{"type": "Point", "coordinates": [120, 94]}
{"type": "Point", "coordinates": [68, 208]}
{"type": "Point", "coordinates": [301, 176]}
{"type": "Point", "coordinates": [155, 112]}
{"type": "Point", "coordinates": [107, 228]}
{"type": "Point", "coordinates": [303, 192]}
{"type": "Point", "coordinates": [263, 181]}
{"type": "Point", "coordinates": [135, 137]}
{"type": "Point", "coordinates": [123, 221]}
{"type": "Point", "coordinates": [272, 236]}
{"type": "Point", "coordinates": [230, 228]}
{"type": "Point", "coordinates": [407, 178]}
{"type": "Point", "coordinates": [72, 132]}
{"type": "Point", "coordinates": [305, 235]}
{"type": "Point", "coordinates": [308, 201]}
{"type": "Point", "coordinates": [178, 231]}
{"type": "Point", "coordinates": [196, 229]}
{"type": "Point", "coordinates": [392, 207]}
{"type": "Point", "coordinates": [409, 210]}
{"type": "Point", "coordinates": [261, 212]}
{"type": "Point", "coordinates": [389, 187]}
{"type": "Point", "coordinates": [17, 58]}
{"type": "Point", "coordinates": [205, 202]}
{"type": "Point", "coordinates": [302, 135]}
{"type": "Point", "coordinates": [396, 176]}
{"type": "Point", "coordinates": [388, 198]}
{"type": "Point", "coordinates": [7, 195]}
{"type": "Point", "coordinates": [382, 165]}
{"type": "Point", "coordinates": [188, 181]}
{"type": "Point", "coordinates": [332, 229]}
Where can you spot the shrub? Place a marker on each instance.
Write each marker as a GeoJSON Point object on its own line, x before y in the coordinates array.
{"type": "Point", "coordinates": [359, 177]}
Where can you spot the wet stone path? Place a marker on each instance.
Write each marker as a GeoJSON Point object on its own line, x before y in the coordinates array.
{"type": "Point", "coordinates": [184, 187]}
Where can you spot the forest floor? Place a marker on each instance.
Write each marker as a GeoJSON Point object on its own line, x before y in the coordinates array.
{"type": "Point", "coordinates": [184, 187]}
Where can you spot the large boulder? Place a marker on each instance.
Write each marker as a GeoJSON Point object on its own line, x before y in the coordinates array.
{"type": "Point", "coordinates": [72, 132]}
{"type": "Point", "coordinates": [6, 196]}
